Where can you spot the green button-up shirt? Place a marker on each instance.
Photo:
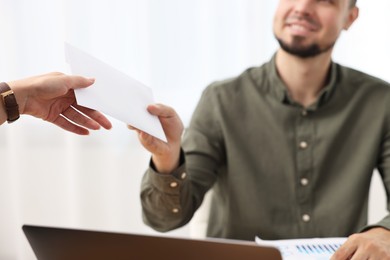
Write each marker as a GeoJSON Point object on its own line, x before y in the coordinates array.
{"type": "Point", "coordinates": [277, 169]}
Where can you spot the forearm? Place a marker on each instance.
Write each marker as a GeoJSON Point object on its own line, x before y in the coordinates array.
{"type": "Point", "coordinates": [167, 163]}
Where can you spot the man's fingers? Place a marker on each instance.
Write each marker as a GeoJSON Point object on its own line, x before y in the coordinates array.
{"type": "Point", "coordinates": [161, 110]}
{"type": "Point", "coordinates": [150, 142]}
{"type": "Point", "coordinates": [362, 253]}
{"type": "Point", "coordinates": [346, 251]}
{"type": "Point", "coordinates": [132, 127]}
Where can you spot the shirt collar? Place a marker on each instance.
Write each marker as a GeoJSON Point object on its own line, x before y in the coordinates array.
{"type": "Point", "coordinates": [278, 89]}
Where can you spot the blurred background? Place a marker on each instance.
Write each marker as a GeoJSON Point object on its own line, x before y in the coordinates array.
{"type": "Point", "coordinates": [177, 47]}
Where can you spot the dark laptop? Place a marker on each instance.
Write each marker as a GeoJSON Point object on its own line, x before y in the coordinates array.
{"type": "Point", "coordinates": [50, 243]}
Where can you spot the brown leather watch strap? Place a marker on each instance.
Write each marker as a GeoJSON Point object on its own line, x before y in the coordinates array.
{"type": "Point", "coordinates": [10, 104]}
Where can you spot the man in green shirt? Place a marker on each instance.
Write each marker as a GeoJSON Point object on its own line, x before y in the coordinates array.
{"type": "Point", "coordinates": [289, 148]}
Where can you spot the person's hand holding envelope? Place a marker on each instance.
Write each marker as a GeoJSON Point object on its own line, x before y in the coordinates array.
{"type": "Point", "coordinates": [114, 93]}
{"type": "Point", "coordinates": [165, 156]}
{"type": "Point", "coordinates": [118, 95]}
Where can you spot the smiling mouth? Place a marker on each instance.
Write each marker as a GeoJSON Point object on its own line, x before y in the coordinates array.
{"type": "Point", "coordinates": [300, 28]}
{"type": "Point", "coordinates": [302, 24]}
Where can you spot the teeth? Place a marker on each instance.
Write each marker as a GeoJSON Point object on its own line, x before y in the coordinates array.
{"type": "Point", "coordinates": [298, 27]}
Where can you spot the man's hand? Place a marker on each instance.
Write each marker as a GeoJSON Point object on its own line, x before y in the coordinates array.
{"type": "Point", "coordinates": [51, 97]}
{"type": "Point", "coordinates": [165, 156]}
{"type": "Point", "coordinates": [373, 244]}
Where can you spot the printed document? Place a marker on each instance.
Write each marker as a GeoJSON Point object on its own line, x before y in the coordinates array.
{"type": "Point", "coordinates": [305, 249]}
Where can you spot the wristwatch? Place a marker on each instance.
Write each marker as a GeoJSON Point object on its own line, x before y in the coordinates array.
{"type": "Point", "coordinates": [10, 104]}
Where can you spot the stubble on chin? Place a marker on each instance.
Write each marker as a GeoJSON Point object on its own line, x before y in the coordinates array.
{"type": "Point", "coordinates": [298, 48]}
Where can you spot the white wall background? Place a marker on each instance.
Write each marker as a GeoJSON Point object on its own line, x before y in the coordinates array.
{"type": "Point", "coordinates": [177, 47]}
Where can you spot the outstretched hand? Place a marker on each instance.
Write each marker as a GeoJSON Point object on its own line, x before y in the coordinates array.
{"type": "Point", "coordinates": [51, 97]}
{"type": "Point", "coordinates": [165, 156]}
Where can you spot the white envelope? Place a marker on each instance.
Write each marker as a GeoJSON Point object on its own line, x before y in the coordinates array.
{"type": "Point", "coordinates": [114, 93]}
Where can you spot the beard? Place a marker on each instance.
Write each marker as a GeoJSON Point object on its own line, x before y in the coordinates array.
{"type": "Point", "coordinates": [296, 48]}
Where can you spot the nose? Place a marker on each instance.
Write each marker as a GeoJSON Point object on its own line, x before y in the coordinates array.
{"type": "Point", "coordinates": [303, 7]}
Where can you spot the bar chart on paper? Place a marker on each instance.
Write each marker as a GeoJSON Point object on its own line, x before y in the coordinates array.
{"type": "Point", "coordinates": [305, 249]}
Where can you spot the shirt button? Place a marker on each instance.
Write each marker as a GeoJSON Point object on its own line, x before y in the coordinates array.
{"type": "Point", "coordinates": [306, 217]}
{"type": "Point", "coordinates": [304, 182]}
{"type": "Point", "coordinates": [173, 184]}
{"type": "Point", "coordinates": [303, 145]}
{"type": "Point", "coordinates": [175, 210]}
{"type": "Point", "coordinates": [183, 175]}
{"type": "Point", "coordinates": [304, 112]}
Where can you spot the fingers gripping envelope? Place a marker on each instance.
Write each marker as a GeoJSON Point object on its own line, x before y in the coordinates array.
{"type": "Point", "coordinates": [114, 93]}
